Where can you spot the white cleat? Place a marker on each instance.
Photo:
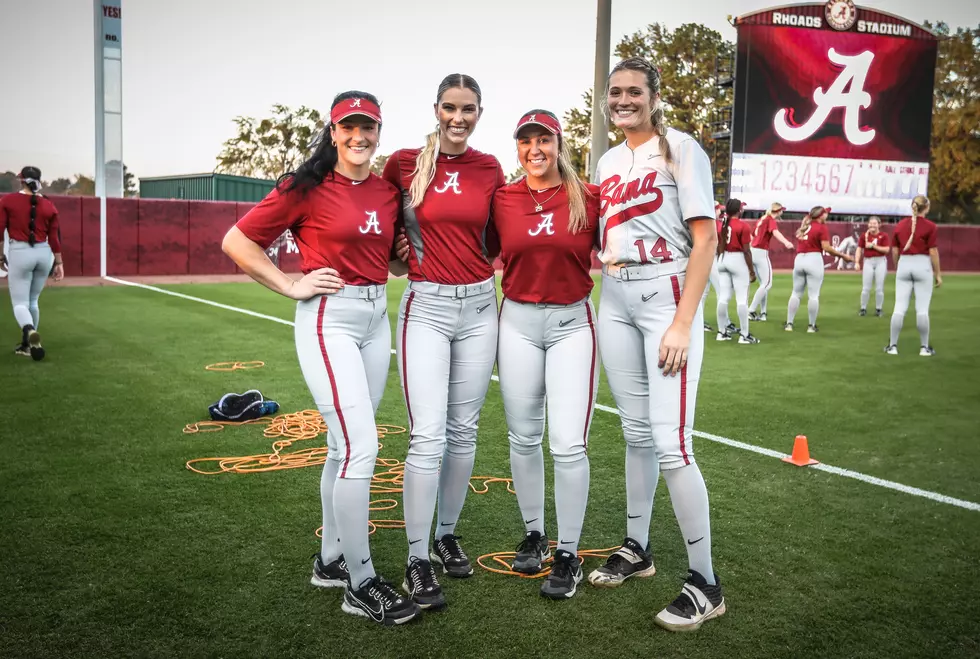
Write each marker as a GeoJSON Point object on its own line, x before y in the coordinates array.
{"type": "Point", "coordinates": [926, 351]}
{"type": "Point", "coordinates": [891, 350]}
{"type": "Point", "coordinates": [723, 336]}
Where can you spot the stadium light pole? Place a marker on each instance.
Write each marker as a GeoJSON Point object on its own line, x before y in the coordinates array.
{"type": "Point", "coordinates": [600, 127]}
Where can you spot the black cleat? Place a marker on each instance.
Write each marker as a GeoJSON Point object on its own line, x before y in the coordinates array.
{"type": "Point", "coordinates": [531, 553]}
{"type": "Point", "coordinates": [447, 553]}
{"type": "Point", "coordinates": [34, 341]}
{"type": "Point", "coordinates": [378, 600]}
{"type": "Point", "coordinates": [731, 329]}
{"type": "Point", "coordinates": [566, 574]}
{"type": "Point", "coordinates": [422, 586]}
{"type": "Point", "coordinates": [708, 328]}
{"type": "Point", "coordinates": [697, 603]}
{"type": "Point", "coordinates": [878, 313]}
{"type": "Point", "coordinates": [22, 350]}
{"type": "Point", "coordinates": [753, 316]}
{"type": "Point", "coordinates": [863, 312]}
{"type": "Point", "coordinates": [332, 575]}
{"type": "Point", "coordinates": [630, 560]}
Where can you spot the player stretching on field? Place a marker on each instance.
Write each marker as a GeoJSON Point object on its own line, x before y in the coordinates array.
{"type": "Point", "coordinates": [547, 348]}
{"type": "Point", "coordinates": [812, 239]}
{"type": "Point", "coordinates": [917, 256]}
{"type": "Point", "coordinates": [735, 268]}
{"type": "Point", "coordinates": [35, 244]}
{"type": "Point", "coordinates": [766, 228]}
{"type": "Point", "coordinates": [873, 247]}
{"type": "Point", "coordinates": [343, 218]}
{"type": "Point", "coordinates": [447, 327]}
{"type": "Point", "coordinates": [658, 239]}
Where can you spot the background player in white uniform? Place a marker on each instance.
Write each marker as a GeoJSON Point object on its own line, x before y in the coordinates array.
{"type": "Point", "coordinates": [873, 250]}
{"type": "Point", "coordinates": [447, 327]}
{"type": "Point", "coordinates": [343, 219]}
{"type": "Point", "coordinates": [657, 240]}
{"type": "Point", "coordinates": [766, 228]}
{"type": "Point", "coordinates": [547, 349]}
{"type": "Point", "coordinates": [713, 280]}
{"type": "Point", "coordinates": [35, 245]}
{"type": "Point", "coordinates": [917, 257]}
{"type": "Point", "coordinates": [812, 240]}
{"type": "Point", "coordinates": [735, 268]}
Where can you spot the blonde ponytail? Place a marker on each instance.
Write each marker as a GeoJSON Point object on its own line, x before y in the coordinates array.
{"type": "Point", "coordinates": [578, 219]}
{"type": "Point", "coordinates": [425, 168]}
{"type": "Point", "coordinates": [920, 204]}
{"type": "Point", "coordinates": [658, 125]}
{"type": "Point", "coordinates": [803, 227]}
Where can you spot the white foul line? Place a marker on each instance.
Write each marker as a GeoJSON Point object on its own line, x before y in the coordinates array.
{"type": "Point", "coordinates": [864, 478]}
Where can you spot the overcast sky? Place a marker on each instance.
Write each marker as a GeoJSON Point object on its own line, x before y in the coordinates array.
{"type": "Point", "coordinates": [190, 66]}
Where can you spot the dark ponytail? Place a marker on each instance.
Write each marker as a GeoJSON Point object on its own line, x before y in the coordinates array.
{"type": "Point", "coordinates": [31, 177]}
{"type": "Point", "coordinates": [321, 164]}
{"type": "Point", "coordinates": [733, 208]}
{"type": "Point", "coordinates": [30, 227]}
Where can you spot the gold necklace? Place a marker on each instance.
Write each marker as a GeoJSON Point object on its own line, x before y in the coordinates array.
{"type": "Point", "coordinates": [540, 205]}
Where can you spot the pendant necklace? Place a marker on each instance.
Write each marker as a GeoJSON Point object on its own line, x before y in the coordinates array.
{"type": "Point", "coordinates": [540, 205]}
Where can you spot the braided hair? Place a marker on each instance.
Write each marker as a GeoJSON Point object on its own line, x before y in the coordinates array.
{"type": "Point", "coordinates": [31, 177]}
{"type": "Point", "coordinates": [920, 204]}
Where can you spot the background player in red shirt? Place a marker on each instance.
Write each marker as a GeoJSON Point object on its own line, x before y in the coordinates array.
{"type": "Point", "coordinates": [447, 326]}
{"type": "Point", "coordinates": [812, 239]}
{"type": "Point", "coordinates": [766, 228]}
{"type": "Point", "coordinates": [917, 257]}
{"type": "Point", "coordinates": [343, 218]}
{"type": "Point", "coordinates": [547, 346]}
{"type": "Point", "coordinates": [35, 244]}
{"type": "Point", "coordinates": [735, 269]}
{"type": "Point", "coordinates": [873, 248]}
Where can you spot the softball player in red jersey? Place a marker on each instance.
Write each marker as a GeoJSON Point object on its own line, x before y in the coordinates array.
{"type": "Point", "coordinates": [917, 257]}
{"type": "Point", "coordinates": [766, 228]}
{"type": "Point", "coordinates": [547, 347]}
{"type": "Point", "coordinates": [812, 240]}
{"type": "Point", "coordinates": [657, 239]}
{"type": "Point", "coordinates": [713, 277]}
{"type": "Point", "coordinates": [735, 268]}
{"type": "Point", "coordinates": [35, 245]}
{"type": "Point", "coordinates": [447, 327]}
{"type": "Point", "coordinates": [343, 218]}
{"type": "Point", "coordinates": [873, 248]}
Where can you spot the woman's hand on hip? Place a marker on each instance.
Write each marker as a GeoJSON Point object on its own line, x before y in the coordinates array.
{"type": "Point", "coordinates": [324, 281]}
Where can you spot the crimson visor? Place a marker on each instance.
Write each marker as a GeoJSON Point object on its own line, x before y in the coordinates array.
{"type": "Point", "coordinates": [550, 124]}
{"type": "Point", "coordinates": [351, 106]}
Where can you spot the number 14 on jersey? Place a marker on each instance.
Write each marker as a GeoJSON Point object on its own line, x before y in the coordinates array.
{"type": "Point", "coordinates": [658, 251]}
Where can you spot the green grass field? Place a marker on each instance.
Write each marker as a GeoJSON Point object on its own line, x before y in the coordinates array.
{"type": "Point", "coordinates": [110, 547]}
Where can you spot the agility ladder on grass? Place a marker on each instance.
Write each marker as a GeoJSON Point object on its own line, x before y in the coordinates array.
{"type": "Point", "coordinates": [286, 429]}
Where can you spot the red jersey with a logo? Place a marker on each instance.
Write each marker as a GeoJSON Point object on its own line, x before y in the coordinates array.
{"type": "Point", "coordinates": [15, 217]}
{"type": "Point", "coordinates": [543, 262]}
{"type": "Point", "coordinates": [447, 232]}
{"type": "Point", "coordinates": [812, 240]}
{"type": "Point", "coordinates": [866, 240]}
{"type": "Point", "coordinates": [738, 235]}
{"type": "Point", "coordinates": [925, 238]}
{"type": "Point", "coordinates": [762, 234]}
{"type": "Point", "coordinates": [341, 224]}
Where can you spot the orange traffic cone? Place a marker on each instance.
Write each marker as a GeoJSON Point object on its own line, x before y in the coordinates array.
{"type": "Point", "coordinates": [801, 453]}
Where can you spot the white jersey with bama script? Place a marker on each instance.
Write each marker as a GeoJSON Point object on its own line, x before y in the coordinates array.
{"type": "Point", "coordinates": [646, 202]}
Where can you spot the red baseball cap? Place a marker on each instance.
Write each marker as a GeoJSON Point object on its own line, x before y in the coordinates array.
{"type": "Point", "coordinates": [547, 122]}
{"type": "Point", "coordinates": [348, 107]}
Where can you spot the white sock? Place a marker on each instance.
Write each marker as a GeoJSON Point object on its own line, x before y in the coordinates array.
{"type": "Point", "coordinates": [527, 470]}
{"type": "Point", "coordinates": [690, 499]}
{"type": "Point", "coordinates": [351, 497]}
{"type": "Point", "coordinates": [922, 323]}
{"type": "Point", "coordinates": [812, 309]}
{"type": "Point", "coordinates": [896, 329]}
{"type": "Point", "coordinates": [454, 483]}
{"type": "Point", "coordinates": [642, 472]}
{"type": "Point", "coordinates": [571, 499]}
{"type": "Point", "coordinates": [794, 305]}
{"type": "Point", "coordinates": [419, 499]}
{"type": "Point", "coordinates": [330, 542]}
{"type": "Point", "coordinates": [743, 319]}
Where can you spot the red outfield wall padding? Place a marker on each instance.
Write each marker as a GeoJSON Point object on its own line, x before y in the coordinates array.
{"type": "Point", "coordinates": [70, 221]}
{"type": "Point", "coordinates": [163, 237]}
{"type": "Point", "coordinates": [91, 237]}
{"type": "Point", "coordinates": [209, 221]}
{"type": "Point", "coordinates": [122, 237]}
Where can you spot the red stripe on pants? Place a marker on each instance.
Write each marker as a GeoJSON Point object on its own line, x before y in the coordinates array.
{"type": "Point", "coordinates": [408, 403]}
{"type": "Point", "coordinates": [675, 283]}
{"type": "Point", "coordinates": [333, 384]}
{"type": "Point", "coordinates": [588, 415]}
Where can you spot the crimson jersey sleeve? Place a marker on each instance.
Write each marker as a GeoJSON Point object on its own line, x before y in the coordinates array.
{"type": "Point", "coordinates": [932, 236]}
{"type": "Point", "coordinates": [268, 219]}
{"type": "Point", "coordinates": [54, 229]}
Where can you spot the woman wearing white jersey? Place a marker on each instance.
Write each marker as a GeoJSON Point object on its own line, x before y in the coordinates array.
{"type": "Point", "coordinates": [873, 249]}
{"type": "Point", "coordinates": [766, 228]}
{"type": "Point", "coordinates": [812, 240]}
{"type": "Point", "coordinates": [657, 241]}
{"type": "Point", "coordinates": [713, 278]}
{"type": "Point", "coordinates": [917, 258]}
